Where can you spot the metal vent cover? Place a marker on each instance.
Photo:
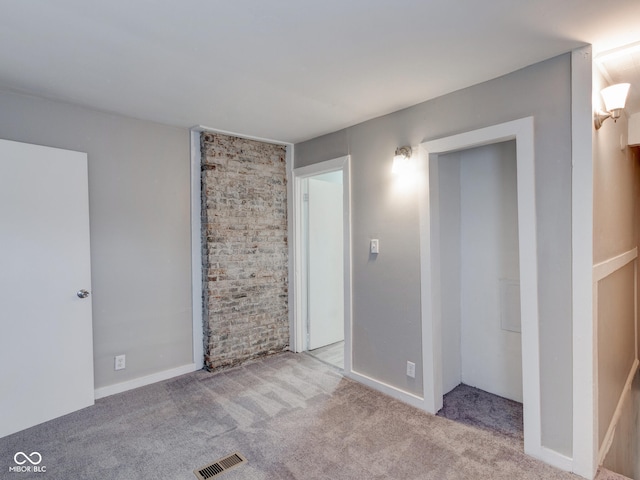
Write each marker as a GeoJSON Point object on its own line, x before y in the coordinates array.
{"type": "Point", "coordinates": [219, 466]}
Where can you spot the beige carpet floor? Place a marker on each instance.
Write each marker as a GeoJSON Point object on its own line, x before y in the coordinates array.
{"type": "Point", "coordinates": [290, 415]}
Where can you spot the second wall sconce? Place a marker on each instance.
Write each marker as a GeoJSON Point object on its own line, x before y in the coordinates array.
{"type": "Point", "coordinates": [614, 98]}
{"type": "Point", "coordinates": [402, 160]}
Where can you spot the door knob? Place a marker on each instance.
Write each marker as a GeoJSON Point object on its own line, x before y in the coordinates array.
{"type": "Point", "coordinates": [83, 293]}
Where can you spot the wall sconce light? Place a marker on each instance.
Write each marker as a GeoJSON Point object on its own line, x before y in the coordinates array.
{"type": "Point", "coordinates": [402, 160]}
{"type": "Point", "coordinates": [614, 98]}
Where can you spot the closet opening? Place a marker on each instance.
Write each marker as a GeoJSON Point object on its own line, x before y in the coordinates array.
{"type": "Point", "coordinates": [479, 270]}
{"type": "Point", "coordinates": [480, 288]}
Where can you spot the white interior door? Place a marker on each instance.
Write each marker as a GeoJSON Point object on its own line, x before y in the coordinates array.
{"type": "Point", "coordinates": [326, 264]}
{"type": "Point", "coordinates": [46, 359]}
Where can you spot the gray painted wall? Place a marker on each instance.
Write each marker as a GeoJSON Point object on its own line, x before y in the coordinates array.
{"type": "Point", "coordinates": [139, 190]}
{"type": "Point", "coordinates": [386, 292]}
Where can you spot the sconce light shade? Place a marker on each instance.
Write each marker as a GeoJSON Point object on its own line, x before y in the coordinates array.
{"type": "Point", "coordinates": [401, 160]}
{"type": "Point", "coordinates": [614, 98]}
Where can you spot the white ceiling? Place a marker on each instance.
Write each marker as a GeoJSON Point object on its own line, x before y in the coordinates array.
{"type": "Point", "coordinates": [287, 70]}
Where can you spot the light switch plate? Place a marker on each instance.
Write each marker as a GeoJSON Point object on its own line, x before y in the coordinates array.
{"type": "Point", "coordinates": [374, 246]}
{"type": "Point", "coordinates": [411, 369]}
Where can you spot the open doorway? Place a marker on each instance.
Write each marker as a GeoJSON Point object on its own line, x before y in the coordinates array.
{"type": "Point", "coordinates": [480, 279]}
{"type": "Point", "coordinates": [322, 265]}
{"type": "Point", "coordinates": [434, 289]}
{"type": "Point", "coordinates": [324, 246]}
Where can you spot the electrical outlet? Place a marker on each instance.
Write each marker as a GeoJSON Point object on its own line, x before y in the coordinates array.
{"type": "Point", "coordinates": [411, 369]}
{"type": "Point", "coordinates": [120, 362]}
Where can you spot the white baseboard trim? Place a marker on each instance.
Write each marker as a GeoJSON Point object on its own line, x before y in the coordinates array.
{"type": "Point", "coordinates": [142, 381]}
{"type": "Point", "coordinates": [390, 390]}
{"type": "Point", "coordinates": [556, 459]}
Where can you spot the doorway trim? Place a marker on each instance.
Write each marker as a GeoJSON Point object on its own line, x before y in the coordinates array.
{"type": "Point", "coordinates": [297, 343]}
{"type": "Point", "coordinates": [522, 131]}
{"type": "Point", "coordinates": [585, 428]}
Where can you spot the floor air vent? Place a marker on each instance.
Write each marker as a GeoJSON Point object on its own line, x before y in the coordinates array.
{"type": "Point", "coordinates": [220, 466]}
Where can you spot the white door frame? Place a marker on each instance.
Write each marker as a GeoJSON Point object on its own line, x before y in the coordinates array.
{"type": "Point", "coordinates": [522, 132]}
{"type": "Point", "coordinates": [342, 164]}
{"type": "Point", "coordinates": [585, 408]}
{"type": "Point", "coordinates": [197, 328]}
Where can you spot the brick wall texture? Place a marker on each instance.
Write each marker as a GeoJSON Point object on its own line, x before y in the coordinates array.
{"type": "Point", "coordinates": [244, 233]}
